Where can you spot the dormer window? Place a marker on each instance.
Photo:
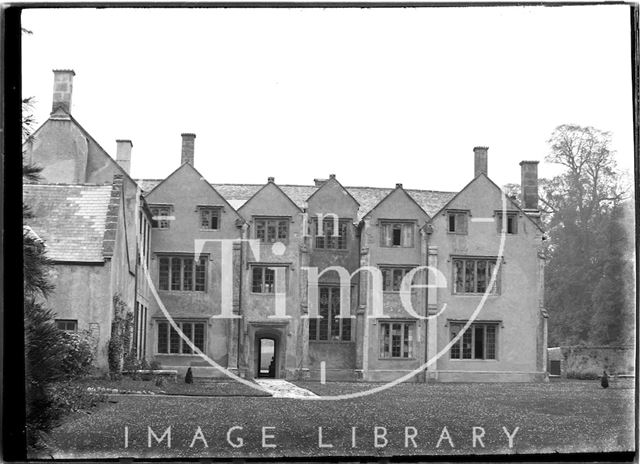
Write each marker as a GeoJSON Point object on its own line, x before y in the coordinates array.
{"type": "Point", "coordinates": [512, 222]}
{"type": "Point", "coordinates": [272, 230]}
{"type": "Point", "coordinates": [209, 217]}
{"type": "Point", "coordinates": [457, 221]}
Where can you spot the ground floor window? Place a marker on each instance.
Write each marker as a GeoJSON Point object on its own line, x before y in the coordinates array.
{"type": "Point", "coordinates": [396, 339]}
{"type": "Point", "coordinates": [68, 325]}
{"type": "Point", "coordinates": [478, 341]}
{"type": "Point", "coordinates": [329, 326]}
{"type": "Point", "coordinates": [170, 342]}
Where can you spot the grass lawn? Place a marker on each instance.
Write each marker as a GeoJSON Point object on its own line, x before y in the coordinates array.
{"type": "Point", "coordinates": [560, 416]}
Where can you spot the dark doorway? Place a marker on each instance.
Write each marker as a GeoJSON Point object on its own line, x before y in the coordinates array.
{"type": "Point", "coordinates": [266, 358]}
{"type": "Point", "coordinates": [554, 368]}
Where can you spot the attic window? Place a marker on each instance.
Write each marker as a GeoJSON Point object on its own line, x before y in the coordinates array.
{"type": "Point", "coordinates": [512, 222]}
{"type": "Point", "coordinates": [457, 222]}
{"type": "Point", "coordinates": [160, 217]}
{"type": "Point", "coordinates": [209, 217]}
{"type": "Point", "coordinates": [397, 234]}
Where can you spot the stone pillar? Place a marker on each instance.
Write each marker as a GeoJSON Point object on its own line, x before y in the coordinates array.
{"type": "Point", "coordinates": [303, 331]}
{"type": "Point", "coordinates": [235, 325]}
{"type": "Point", "coordinates": [362, 321]}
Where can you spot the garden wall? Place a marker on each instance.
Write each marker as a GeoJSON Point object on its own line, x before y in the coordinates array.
{"type": "Point", "coordinates": [590, 361]}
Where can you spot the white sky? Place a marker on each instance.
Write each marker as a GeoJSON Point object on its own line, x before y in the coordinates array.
{"type": "Point", "coordinates": [376, 96]}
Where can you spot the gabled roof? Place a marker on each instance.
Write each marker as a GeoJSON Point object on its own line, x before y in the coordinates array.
{"type": "Point", "coordinates": [295, 205]}
{"type": "Point", "coordinates": [367, 197]}
{"type": "Point", "coordinates": [60, 113]}
{"type": "Point", "coordinates": [71, 219]}
{"type": "Point", "coordinates": [398, 187]}
{"type": "Point", "coordinates": [509, 200]}
{"type": "Point", "coordinates": [153, 187]}
{"type": "Point", "coordinates": [332, 178]}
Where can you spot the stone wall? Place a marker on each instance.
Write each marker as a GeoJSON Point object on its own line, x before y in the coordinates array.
{"type": "Point", "coordinates": [580, 361]}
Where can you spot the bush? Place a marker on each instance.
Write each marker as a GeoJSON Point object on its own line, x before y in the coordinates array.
{"type": "Point", "coordinates": [69, 397]}
{"type": "Point", "coordinates": [189, 377]}
{"type": "Point", "coordinates": [78, 357]}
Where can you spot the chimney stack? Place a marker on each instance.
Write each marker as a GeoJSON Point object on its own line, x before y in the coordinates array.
{"type": "Point", "coordinates": [529, 184]}
{"type": "Point", "coordinates": [481, 160]}
{"type": "Point", "coordinates": [123, 154]}
{"type": "Point", "coordinates": [62, 89]}
{"type": "Point", "coordinates": [188, 148]}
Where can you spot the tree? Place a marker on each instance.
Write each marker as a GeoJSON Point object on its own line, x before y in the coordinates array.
{"type": "Point", "coordinates": [587, 240]}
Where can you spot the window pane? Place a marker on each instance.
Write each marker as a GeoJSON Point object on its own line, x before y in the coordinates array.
{"type": "Point", "coordinates": [491, 342]}
{"type": "Point", "coordinates": [175, 273]}
{"type": "Point", "coordinates": [271, 231]}
{"type": "Point", "coordinates": [386, 234]}
{"type": "Point", "coordinates": [269, 280]}
{"type": "Point", "coordinates": [396, 336]}
{"type": "Point", "coordinates": [342, 239]}
{"type": "Point", "coordinates": [187, 272]}
{"type": "Point", "coordinates": [385, 349]}
{"type": "Point", "coordinates": [490, 267]}
{"type": "Point", "coordinates": [257, 280]}
{"type": "Point", "coordinates": [163, 341]}
{"type": "Point", "coordinates": [455, 348]}
{"type": "Point", "coordinates": [323, 311]}
{"type": "Point", "coordinates": [466, 343]}
{"type": "Point", "coordinates": [461, 223]}
{"type": "Point", "coordinates": [397, 235]}
{"type": "Point", "coordinates": [458, 275]}
{"type": "Point", "coordinates": [469, 272]}
{"type": "Point", "coordinates": [283, 229]}
{"type": "Point", "coordinates": [163, 278]}
{"type": "Point", "coordinates": [260, 230]}
{"type": "Point", "coordinates": [407, 235]}
{"type": "Point", "coordinates": [334, 306]}
{"type": "Point", "coordinates": [478, 342]}
{"type": "Point", "coordinates": [452, 222]}
{"type": "Point", "coordinates": [198, 336]}
{"type": "Point", "coordinates": [215, 219]}
{"type": "Point", "coordinates": [174, 341]}
{"type": "Point", "coordinates": [398, 274]}
{"type": "Point", "coordinates": [481, 276]}
{"type": "Point", "coordinates": [187, 328]}
{"type": "Point", "coordinates": [201, 274]}
{"type": "Point", "coordinates": [204, 218]}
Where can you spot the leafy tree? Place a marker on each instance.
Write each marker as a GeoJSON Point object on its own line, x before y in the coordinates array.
{"type": "Point", "coordinates": [586, 279]}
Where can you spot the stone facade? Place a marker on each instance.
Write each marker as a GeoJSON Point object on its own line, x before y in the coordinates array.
{"type": "Point", "coordinates": [406, 271]}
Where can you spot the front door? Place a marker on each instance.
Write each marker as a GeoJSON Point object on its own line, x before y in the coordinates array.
{"type": "Point", "coordinates": [267, 358]}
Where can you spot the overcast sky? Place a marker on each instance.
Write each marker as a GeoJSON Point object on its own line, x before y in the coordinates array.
{"type": "Point", "coordinates": [376, 96]}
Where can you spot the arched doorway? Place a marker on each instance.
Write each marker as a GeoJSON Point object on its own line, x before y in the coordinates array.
{"type": "Point", "coordinates": [267, 357]}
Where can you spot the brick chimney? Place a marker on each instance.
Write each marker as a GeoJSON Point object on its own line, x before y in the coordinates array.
{"type": "Point", "coordinates": [529, 184]}
{"type": "Point", "coordinates": [188, 148]}
{"type": "Point", "coordinates": [62, 89]}
{"type": "Point", "coordinates": [481, 160]}
{"type": "Point", "coordinates": [123, 154]}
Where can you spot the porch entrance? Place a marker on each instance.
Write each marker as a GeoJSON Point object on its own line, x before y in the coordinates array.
{"type": "Point", "coordinates": [267, 357]}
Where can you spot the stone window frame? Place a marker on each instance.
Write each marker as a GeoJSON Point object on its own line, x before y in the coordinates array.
{"type": "Point", "coordinates": [402, 225]}
{"type": "Point", "coordinates": [210, 210]}
{"type": "Point", "coordinates": [279, 222]}
{"type": "Point", "coordinates": [385, 351]}
{"type": "Point", "coordinates": [496, 291]}
{"type": "Point", "coordinates": [458, 350]}
{"type": "Point", "coordinates": [511, 215]}
{"type": "Point", "coordinates": [67, 325]}
{"type": "Point", "coordinates": [164, 211]}
{"type": "Point", "coordinates": [264, 267]}
{"type": "Point", "coordinates": [406, 268]}
{"type": "Point", "coordinates": [182, 345]}
{"type": "Point", "coordinates": [332, 318]}
{"type": "Point", "coordinates": [198, 277]}
{"type": "Point", "coordinates": [460, 223]}
{"type": "Point", "coordinates": [336, 243]}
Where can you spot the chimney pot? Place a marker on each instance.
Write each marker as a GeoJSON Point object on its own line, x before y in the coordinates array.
{"type": "Point", "coordinates": [529, 184]}
{"type": "Point", "coordinates": [188, 148]}
{"type": "Point", "coordinates": [481, 161]}
{"type": "Point", "coordinates": [271, 179]}
{"type": "Point", "coordinates": [123, 154]}
{"type": "Point", "coordinates": [398, 186]}
{"type": "Point", "coordinates": [62, 90]}
{"type": "Point", "coordinates": [332, 176]}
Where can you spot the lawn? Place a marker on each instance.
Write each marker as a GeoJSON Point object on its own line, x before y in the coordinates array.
{"type": "Point", "coordinates": [561, 416]}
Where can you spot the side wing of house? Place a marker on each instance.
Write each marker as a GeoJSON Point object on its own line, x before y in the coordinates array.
{"type": "Point", "coordinates": [505, 339]}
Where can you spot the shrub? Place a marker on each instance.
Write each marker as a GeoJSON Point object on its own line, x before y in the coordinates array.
{"type": "Point", "coordinates": [78, 357]}
{"type": "Point", "coordinates": [189, 377]}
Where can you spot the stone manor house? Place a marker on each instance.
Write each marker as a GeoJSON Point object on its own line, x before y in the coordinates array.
{"type": "Point", "coordinates": [103, 229]}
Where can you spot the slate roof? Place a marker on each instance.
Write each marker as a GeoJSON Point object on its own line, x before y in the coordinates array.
{"type": "Point", "coordinates": [368, 197]}
{"type": "Point", "coordinates": [71, 219]}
